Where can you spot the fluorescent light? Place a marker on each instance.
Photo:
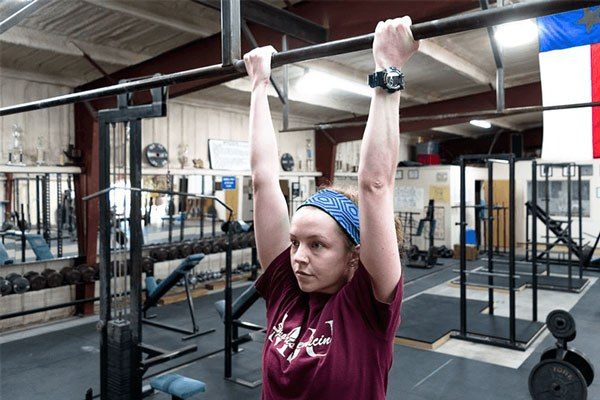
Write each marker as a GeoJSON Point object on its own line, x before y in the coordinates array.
{"type": "Point", "coordinates": [320, 82]}
{"type": "Point", "coordinates": [480, 123]}
{"type": "Point", "coordinates": [516, 33]}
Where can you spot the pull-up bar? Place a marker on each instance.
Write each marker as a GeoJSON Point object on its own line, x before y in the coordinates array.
{"type": "Point", "coordinates": [440, 27]}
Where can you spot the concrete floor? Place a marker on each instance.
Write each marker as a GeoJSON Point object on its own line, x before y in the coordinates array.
{"type": "Point", "coordinates": [62, 361]}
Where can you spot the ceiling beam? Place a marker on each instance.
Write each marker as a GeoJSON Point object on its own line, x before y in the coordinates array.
{"type": "Point", "coordinates": [132, 9]}
{"type": "Point", "coordinates": [459, 64]}
{"type": "Point", "coordinates": [23, 12]}
{"type": "Point", "coordinates": [455, 130]}
{"type": "Point", "coordinates": [277, 19]}
{"type": "Point", "coordinates": [66, 46]}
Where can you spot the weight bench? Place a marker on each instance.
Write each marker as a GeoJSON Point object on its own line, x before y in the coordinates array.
{"type": "Point", "coordinates": [4, 257]}
{"type": "Point", "coordinates": [179, 387]}
{"type": "Point", "coordinates": [155, 292]}
{"type": "Point", "coordinates": [39, 246]}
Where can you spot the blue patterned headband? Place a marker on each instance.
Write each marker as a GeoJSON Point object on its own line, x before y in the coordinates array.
{"type": "Point", "coordinates": [340, 208]}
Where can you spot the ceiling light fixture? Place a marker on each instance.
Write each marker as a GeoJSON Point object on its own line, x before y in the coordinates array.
{"type": "Point", "coordinates": [320, 82]}
{"type": "Point", "coordinates": [516, 33]}
{"type": "Point", "coordinates": [480, 123]}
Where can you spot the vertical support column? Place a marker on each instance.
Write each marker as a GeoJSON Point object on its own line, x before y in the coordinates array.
{"type": "Point", "coordinates": [135, 251]}
{"type": "Point", "coordinates": [570, 222]}
{"type": "Point", "coordinates": [547, 209]}
{"type": "Point", "coordinates": [511, 248]}
{"type": "Point", "coordinates": [231, 49]}
{"type": "Point", "coordinates": [59, 219]}
{"type": "Point", "coordinates": [490, 235]}
{"type": "Point", "coordinates": [228, 302]}
{"type": "Point", "coordinates": [104, 225]}
{"type": "Point", "coordinates": [463, 249]}
{"type": "Point", "coordinates": [580, 217]}
{"type": "Point", "coordinates": [286, 106]}
{"type": "Point", "coordinates": [534, 240]}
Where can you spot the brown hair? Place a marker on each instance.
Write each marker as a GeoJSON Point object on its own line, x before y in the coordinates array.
{"type": "Point", "coordinates": [352, 193]}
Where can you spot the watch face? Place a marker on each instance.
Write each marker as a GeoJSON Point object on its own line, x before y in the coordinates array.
{"type": "Point", "coordinates": [392, 80]}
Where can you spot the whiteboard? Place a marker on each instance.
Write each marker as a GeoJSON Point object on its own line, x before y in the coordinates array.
{"type": "Point", "coordinates": [409, 198]}
{"type": "Point", "coordinates": [229, 154]}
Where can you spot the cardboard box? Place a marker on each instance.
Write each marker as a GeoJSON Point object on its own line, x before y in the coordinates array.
{"type": "Point", "coordinates": [471, 252]}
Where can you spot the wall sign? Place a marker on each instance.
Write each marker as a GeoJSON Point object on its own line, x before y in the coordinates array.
{"type": "Point", "coordinates": [229, 154]}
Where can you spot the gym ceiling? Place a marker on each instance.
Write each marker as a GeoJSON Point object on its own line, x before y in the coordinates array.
{"type": "Point", "coordinates": [87, 44]}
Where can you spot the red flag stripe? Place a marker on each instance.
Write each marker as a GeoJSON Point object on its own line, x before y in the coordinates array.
{"type": "Point", "coordinates": [595, 58]}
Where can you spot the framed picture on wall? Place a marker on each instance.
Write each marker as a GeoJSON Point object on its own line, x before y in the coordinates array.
{"type": "Point", "coordinates": [441, 177]}
{"type": "Point", "coordinates": [413, 174]}
{"type": "Point", "coordinates": [399, 174]}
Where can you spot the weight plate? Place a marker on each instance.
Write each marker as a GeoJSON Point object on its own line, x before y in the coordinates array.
{"type": "Point", "coordinates": [561, 324]}
{"type": "Point", "coordinates": [556, 379]}
{"type": "Point", "coordinates": [157, 155]}
{"type": "Point", "coordinates": [573, 357]}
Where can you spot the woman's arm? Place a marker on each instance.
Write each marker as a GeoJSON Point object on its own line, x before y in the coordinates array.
{"type": "Point", "coordinates": [271, 221]}
{"type": "Point", "coordinates": [392, 47]}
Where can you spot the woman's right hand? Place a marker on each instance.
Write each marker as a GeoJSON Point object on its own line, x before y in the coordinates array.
{"type": "Point", "coordinates": [258, 65]}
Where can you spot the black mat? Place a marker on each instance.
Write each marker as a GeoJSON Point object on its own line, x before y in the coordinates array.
{"type": "Point", "coordinates": [410, 274]}
{"type": "Point", "coordinates": [428, 318]}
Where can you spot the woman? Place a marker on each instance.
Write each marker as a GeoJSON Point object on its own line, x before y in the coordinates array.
{"type": "Point", "coordinates": [332, 284]}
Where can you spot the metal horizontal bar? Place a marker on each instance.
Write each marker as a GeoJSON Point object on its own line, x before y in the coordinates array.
{"type": "Point", "coordinates": [444, 26]}
{"type": "Point", "coordinates": [21, 14]}
{"type": "Point", "coordinates": [483, 114]}
{"type": "Point", "coordinates": [486, 273]}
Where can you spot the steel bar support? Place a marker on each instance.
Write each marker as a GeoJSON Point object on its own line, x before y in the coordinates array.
{"type": "Point", "coordinates": [580, 217]}
{"type": "Point", "coordinates": [231, 46]}
{"type": "Point", "coordinates": [490, 235]}
{"type": "Point", "coordinates": [463, 249]}
{"type": "Point", "coordinates": [444, 26]}
{"type": "Point", "coordinates": [534, 277]}
{"type": "Point", "coordinates": [511, 249]}
{"type": "Point", "coordinates": [21, 14]}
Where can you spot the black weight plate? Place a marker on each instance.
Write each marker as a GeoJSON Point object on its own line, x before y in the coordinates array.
{"type": "Point", "coordinates": [561, 324]}
{"type": "Point", "coordinates": [556, 380]}
{"type": "Point", "coordinates": [573, 357]}
{"type": "Point", "coordinates": [157, 155]}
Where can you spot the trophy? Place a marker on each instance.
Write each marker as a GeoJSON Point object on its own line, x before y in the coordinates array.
{"type": "Point", "coordinates": [183, 155]}
{"type": "Point", "coordinates": [15, 153]}
{"type": "Point", "coordinates": [40, 146]}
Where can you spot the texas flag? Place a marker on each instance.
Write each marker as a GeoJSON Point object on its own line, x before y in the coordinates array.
{"type": "Point", "coordinates": [570, 73]}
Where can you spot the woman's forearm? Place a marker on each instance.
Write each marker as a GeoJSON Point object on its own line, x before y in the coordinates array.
{"type": "Point", "coordinates": [263, 144]}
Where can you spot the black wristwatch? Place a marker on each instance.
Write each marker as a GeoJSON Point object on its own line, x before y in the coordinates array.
{"type": "Point", "coordinates": [391, 79]}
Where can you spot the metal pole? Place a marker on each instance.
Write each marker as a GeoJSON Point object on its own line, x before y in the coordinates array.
{"type": "Point", "coordinates": [511, 252]}
{"type": "Point", "coordinates": [580, 216]}
{"type": "Point", "coordinates": [463, 249]}
{"type": "Point", "coordinates": [104, 236]}
{"type": "Point", "coordinates": [135, 249]}
{"type": "Point", "coordinates": [569, 224]}
{"type": "Point", "coordinates": [228, 302]}
{"type": "Point", "coordinates": [490, 235]}
{"type": "Point", "coordinates": [534, 279]}
{"type": "Point", "coordinates": [547, 206]}
{"type": "Point", "coordinates": [231, 47]}
{"type": "Point", "coordinates": [444, 26]}
{"type": "Point", "coordinates": [286, 81]}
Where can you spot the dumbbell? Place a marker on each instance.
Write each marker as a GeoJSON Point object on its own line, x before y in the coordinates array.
{"type": "Point", "coordinates": [5, 287]}
{"type": "Point", "coordinates": [185, 249]}
{"type": "Point", "coordinates": [53, 278]}
{"type": "Point", "coordinates": [86, 273]}
{"type": "Point", "coordinates": [562, 373]}
{"type": "Point", "coordinates": [172, 252]}
{"type": "Point", "coordinates": [148, 266]}
{"type": "Point", "coordinates": [197, 247]}
{"type": "Point", "coordinates": [36, 281]}
{"type": "Point", "coordinates": [413, 253]}
{"type": "Point", "coordinates": [70, 275]}
{"type": "Point", "coordinates": [18, 283]}
{"type": "Point", "coordinates": [220, 244]}
{"type": "Point", "coordinates": [159, 254]}
{"type": "Point", "coordinates": [207, 247]}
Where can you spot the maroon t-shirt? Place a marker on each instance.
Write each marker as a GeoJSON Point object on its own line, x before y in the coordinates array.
{"type": "Point", "coordinates": [322, 346]}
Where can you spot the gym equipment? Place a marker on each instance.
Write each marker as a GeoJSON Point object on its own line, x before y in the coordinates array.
{"type": "Point", "coordinates": [148, 266]}
{"type": "Point", "coordinates": [5, 287]}
{"type": "Point", "coordinates": [53, 278]}
{"type": "Point", "coordinates": [184, 249]}
{"type": "Point", "coordinates": [70, 275]}
{"type": "Point", "coordinates": [86, 273]}
{"type": "Point", "coordinates": [563, 372]}
{"type": "Point", "coordinates": [18, 283]}
{"type": "Point", "coordinates": [464, 333]}
{"type": "Point", "coordinates": [424, 259]}
{"type": "Point", "coordinates": [36, 281]}
{"type": "Point", "coordinates": [155, 292]}
{"type": "Point", "coordinates": [4, 257]}
{"type": "Point", "coordinates": [444, 26]}
{"type": "Point", "coordinates": [39, 246]}
{"type": "Point", "coordinates": [159, 254]}
{"type": "Point", "coordinates": [156, 155]}
{"type": "Point", "coordinates": [179, 387]}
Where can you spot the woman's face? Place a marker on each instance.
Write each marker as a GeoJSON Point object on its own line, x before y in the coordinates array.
{"type": "Point", "coordinates": [319, 253]}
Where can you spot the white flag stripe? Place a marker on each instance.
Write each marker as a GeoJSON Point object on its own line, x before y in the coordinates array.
{"type": "Point", "coordinates": [566, 78]}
